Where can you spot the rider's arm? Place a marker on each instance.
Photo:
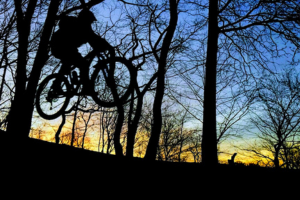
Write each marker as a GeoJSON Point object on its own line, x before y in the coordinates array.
{"type": "Point", "coordinates": [98, 43]}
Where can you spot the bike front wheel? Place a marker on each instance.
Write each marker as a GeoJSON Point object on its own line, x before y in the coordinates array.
{"type": "Point", "coordinates": [123, 76]}
{"type": "Point", "coordinates": [50, 102]}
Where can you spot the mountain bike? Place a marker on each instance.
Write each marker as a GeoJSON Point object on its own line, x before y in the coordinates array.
{"type": "Point", "coordinates": [52, 102]}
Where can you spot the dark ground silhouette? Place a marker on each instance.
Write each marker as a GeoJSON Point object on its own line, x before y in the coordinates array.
{"type": "Point", "coordinates": [42, 168]}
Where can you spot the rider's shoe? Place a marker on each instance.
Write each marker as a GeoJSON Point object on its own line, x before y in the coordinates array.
{"type": "Point", "coordinates": [74, 78]}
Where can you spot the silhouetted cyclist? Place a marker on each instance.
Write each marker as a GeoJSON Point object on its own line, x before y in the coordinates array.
{"type": "Point", "coordinates": [74, 32]}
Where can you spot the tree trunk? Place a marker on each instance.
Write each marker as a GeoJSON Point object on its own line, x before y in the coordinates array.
{"type": "Point", "coordinates": [209, 137]}
{"type": "Point", "coordinates": [160, 88]}
{"type": "Point", "coordinates": [120, 108]}
{"type": "Point", "coordinates": [276, 156]}
{"type": "Point", "coordinates": [40, 60]}
{"type": "Point", "coordinates": [19, 120]}
{"type": "Point", "coordinates": [132, 127]}
{"type": "Point", "coordinates": [74, 124]}
{"type": "Point", "coordinates": [85, 130]}
{"type": "Point", "coordinates": [20, 115]}
{"type": "Point", "coordinates": [117, 133]}
{"type": "Point", "coordinates": [16, 115]}
{"type": "Point", "coordinates": [63, 121]}
{"type": "Point", "coordinates": [4, 60]}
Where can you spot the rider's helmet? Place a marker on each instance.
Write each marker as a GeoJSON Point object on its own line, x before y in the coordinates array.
{"type": "Point", "coordinates": [87, 16]}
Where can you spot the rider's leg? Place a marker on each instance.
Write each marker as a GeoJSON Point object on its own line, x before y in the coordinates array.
{"type": "Point", "coordinates": [83, 65]}
{"type": "Point", "coordinates": [64, 69]}
{"type": "Point", "coordinates": [71, 56]}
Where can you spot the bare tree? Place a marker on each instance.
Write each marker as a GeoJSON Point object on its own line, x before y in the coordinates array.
{"type": "Point", "coordinates": [175, 144]}
{"type": "Point", "coordinates": [148, 45]}
{"type": "Point", "coordinates": [26, 12]}
{"type": "Point", "coordinates": [7, 59]}
{"type": "Point", "coordinates": [24, 28]}
{"type": "Point", "coordinates": [174, 137]}
{"type": "Point", "coordinates": [247, 31]}
{"type": "Point", "coordinates": [160, 87]}
{"type": "Point", "coordinates": [107, 122]}
{"type": "Point", "coordinates": [232, 104]}
{"type": "Point", "coordinates": [276, 117]}
{"type": "Point", "coordinates": [291, 156]}
{"type": "Point", "coordinates": [194, 146]}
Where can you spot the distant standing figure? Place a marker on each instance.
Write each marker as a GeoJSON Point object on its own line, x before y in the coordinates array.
{"type": "Point", "coordinates": [231, 161]}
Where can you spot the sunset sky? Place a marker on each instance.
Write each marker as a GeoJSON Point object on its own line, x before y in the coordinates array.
{"type": "Point", "coordinates": [255, 61]}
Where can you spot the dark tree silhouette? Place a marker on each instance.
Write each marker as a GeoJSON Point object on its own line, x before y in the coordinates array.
{"type": "Point", "coordinates": [160, 87]}
{"type": "Point", "coordinates": [276, 116]}
{"type": "Point", "coordinates": [57, 133]}
{"type": "Point", "coordinates": [250, 26]}
{"type": "Point", "coordinates": [7, 49]}
{"type": "Point", "coordinates": [27, 86]}
{"type": "Point", "coordinates": [19, 104]}
{"type": "Point", "coordinates": [148, 31]}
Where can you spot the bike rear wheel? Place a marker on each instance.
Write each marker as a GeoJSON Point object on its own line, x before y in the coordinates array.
{"type": "Point", "coordinates": [50, 104]}
{"type": "Point", "coordinates": [123, 76]}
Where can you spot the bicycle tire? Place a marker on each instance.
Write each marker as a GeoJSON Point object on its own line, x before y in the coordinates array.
{"type": "Point", "coordinates": [39, 103]}
{"type": "Point", "coordinates": [128, 91]}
